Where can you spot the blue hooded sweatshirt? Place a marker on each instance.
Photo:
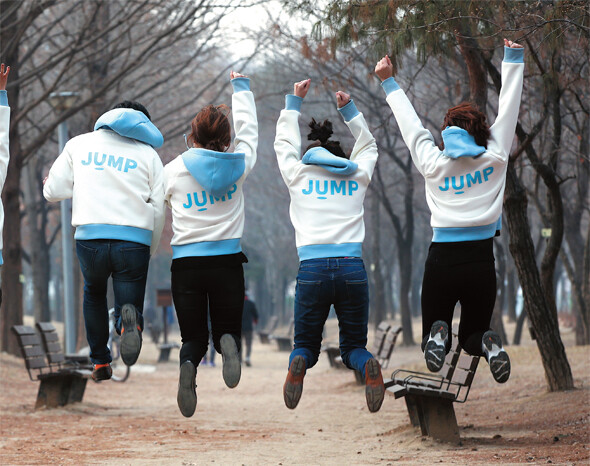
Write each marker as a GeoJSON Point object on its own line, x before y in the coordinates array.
{"type": "Point", "coordinates": [131, 124]}
{"type": "Point", "coordinates": [459, 143]}
{"type": "Point", "coordinates": [324, 158]}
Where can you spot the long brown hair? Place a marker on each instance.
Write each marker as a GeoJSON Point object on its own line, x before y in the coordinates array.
{"type": "Point", "coordinates": [320, 133]}
{"type": "Point", "coordinates": [466, 116]}
{"type": "Point", "coordinates": [211, 129]}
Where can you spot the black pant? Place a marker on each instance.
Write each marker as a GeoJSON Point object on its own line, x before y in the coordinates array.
{"type": "Point", "coordinates": [215, 283]}
{"type": "Point", "coordinates": [460, 272]}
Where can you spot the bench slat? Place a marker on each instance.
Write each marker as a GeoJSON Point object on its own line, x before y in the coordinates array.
{"type": "Point", "coordinates": [33, 352]}
{"type": "Point", "coordinates": [53, 347]}
{"type": "Point", "coordinates": [36, 363]}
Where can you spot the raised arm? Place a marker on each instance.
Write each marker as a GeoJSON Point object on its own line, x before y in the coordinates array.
{"type": "Point", "coordinates": [4, 124]}
{"type": "Point", "coordinates": [245, 119]}
{"type": "Point", "coordinates": [418, 139]}
{"type": "Point", "coordinates": [364, 151]}
{"type": "Point", "coordinates": [502, 131]}
{"type": "Point", "coordinates": [288, 138]}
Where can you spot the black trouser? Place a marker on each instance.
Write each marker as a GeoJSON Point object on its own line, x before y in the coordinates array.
{"type": "Point", "coordinates": [460, 272]}
{"type": "Point", "coordinates": [215, 283]}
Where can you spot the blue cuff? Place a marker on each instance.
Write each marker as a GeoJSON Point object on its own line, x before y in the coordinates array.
{"type": "Point", "coordinates": [513, 55]}
{"type": "Point", "coordinates": [240, 84]}
{"type": "Point", "coordinates": [3, 99]}
{"type": "Point", "coordinates": [390, 85]}
{"type": "Point", "coordinates": [349, 111]}
{"type": "Point", "coordinates": [293, 102]}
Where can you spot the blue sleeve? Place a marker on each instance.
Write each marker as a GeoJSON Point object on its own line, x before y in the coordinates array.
{"type": "Point", "coordinates": [4, 98]}
{"type": "Point", "coordinates": [293, 102]}
{"type": "Point", "coordinates": [349, 111]}
{"type": "Point", "coordinates": [513, 55]}
{"type": "Point", "coordinates": [390, 85]}
{"type": "Point", "coordinates": [240, 84]}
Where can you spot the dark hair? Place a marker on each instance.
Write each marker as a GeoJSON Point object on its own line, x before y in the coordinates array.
{"type": "Point", "coordinates": [466, 116]}
{"type": "Point", "coordinates": [134, 106]}
{"type": "Point", "coordinates": [210, 129]}
{"type": "Point", "coordinates": [321, 132]}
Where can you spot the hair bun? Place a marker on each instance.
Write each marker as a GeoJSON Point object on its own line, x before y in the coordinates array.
{"type": "Point", "coordinates": [320, 131]}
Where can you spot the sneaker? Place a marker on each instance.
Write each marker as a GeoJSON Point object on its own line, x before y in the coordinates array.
{"type": "Point", "coordinates": [496, 356]}
{"type": "Point", "coordinates": [187, 389]}
{"type": "Point", "coordinates": [294, 382]}
{"type": "Point", "coordinates": [232, 370]}
{"type": "Point", "coordinates": [130, 335]}
{"type": "Point", "coordinates": [435, 350]}
{"type": "Point", "coordinates": [102, 372]}
{"type": "Point", "coordinates": [374, 388]}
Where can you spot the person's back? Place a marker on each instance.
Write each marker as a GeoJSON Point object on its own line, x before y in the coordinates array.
{"type": "Point", "coordinates": [115, 180]}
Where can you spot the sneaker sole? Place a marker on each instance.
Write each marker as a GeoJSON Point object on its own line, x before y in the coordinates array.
{"type": "Point", "coordinates": [130, 337]}
{"type": "Point", "coordinates": [291, 391]}
{"type": "Point", "coordinates": [99, 376]}
{"type": "Point", "coordinates": [499, 363]}
{"type": "Point", "coordinates": [187, 396]}
{"type": "Point", "coordinates": [232, 369]}
{"type": "Point", "coordinates": [435, 354]}
{"type": "Point", "coordinates": [375, 390]}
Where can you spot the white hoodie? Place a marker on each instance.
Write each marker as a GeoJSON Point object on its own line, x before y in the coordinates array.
{"type": "Point", "coordinates": [4, 155]}
{"type": "Point", "coordinates": [465, 182]}
{"type": "Point", "coordinates": [203, 188]}
{"type": "Point", "coordinates": [327, 191]}
{"type": "Point", "coordinates": [115, 181]}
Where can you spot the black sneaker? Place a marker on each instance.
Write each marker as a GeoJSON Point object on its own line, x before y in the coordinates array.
{"type": "Point", "coordinates": [293, 386]}
{"type": "Point", "coordinates": [496, 356]}
{"type": "Point", "coordinates": [187, 389]}
{"type": "Point", "coordinates": [130, 335]}
{"type": "Point", "coordinates": [435, 350]}
{"type": "Point", "coordinates": [374, 387]}
{"type": "Point", "coordinates": [232, 369]}
{"type": "Point", "coordinates": [102, 372]}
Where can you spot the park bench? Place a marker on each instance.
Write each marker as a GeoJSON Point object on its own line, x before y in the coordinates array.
{"type": "Point", "coordinates": [59, 385]}
{"type": "Point", "coordinates": [430, 396]}
{"type": "Point", "coordinates": [55, 356]}
{"type": "Point", "coordinates": [285, 340]}
{"type": "Point", "coordinates": [266, 331]}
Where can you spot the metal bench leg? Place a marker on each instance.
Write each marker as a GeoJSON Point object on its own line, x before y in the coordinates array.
{"type": "Point", "coordinates": [164, 354]}
{"type": "Point", "coordinates": [439, 419]}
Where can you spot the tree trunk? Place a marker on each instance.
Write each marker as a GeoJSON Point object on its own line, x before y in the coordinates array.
{"type": "Point", "coordinates": [543, 319]}
{"type": "Point", "coordinates": [519, 325]}
{"type": "Point", "coordinates": [377, 299]}
{"type": "Point", "coordinates": [405, 267]}
{"type": "Point", "coordinates": [12, 300]}
{"type": "Point", "coordinates": [39, 249]}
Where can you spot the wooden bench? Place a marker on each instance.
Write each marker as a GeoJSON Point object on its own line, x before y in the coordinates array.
{"type": "Point", "coordinates": [284, 341]}
{"type": "Point", "coordinates": [58, 386]}
{"type": "Point", "coordinates": [265, 333]}
{"type": "Point", "coordinates": [430, 396]}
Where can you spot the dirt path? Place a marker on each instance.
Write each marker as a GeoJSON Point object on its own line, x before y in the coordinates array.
{"type": "Point", "coordinates": [138, 422]}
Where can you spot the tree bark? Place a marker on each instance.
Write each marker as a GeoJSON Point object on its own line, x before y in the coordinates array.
{"type": "Point", "coordinates": [557, 369]}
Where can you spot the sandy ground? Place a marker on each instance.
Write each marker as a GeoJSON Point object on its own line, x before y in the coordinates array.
{"type": "Point", "coordinates": [138, 422]}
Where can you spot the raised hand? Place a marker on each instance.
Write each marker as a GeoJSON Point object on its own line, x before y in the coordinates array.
{"type": "Point", "coordinates": [512, 45]}
{"type": "Point", "coordinates": [3, 76]}
{"type": "Point", "coordinates": [235, 74]}
{"type": "Point", "coordinates": [342, 98]}
{"type": "Point", "coordinates": [384, 68]}
{"type": "Point", "coordinates": [300, 89]}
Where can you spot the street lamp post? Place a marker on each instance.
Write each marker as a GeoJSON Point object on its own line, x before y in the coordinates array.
{"type": "Point", "coordinates": [62, 101]}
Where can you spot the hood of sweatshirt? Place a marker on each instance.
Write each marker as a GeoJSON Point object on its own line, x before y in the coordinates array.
{"type": "Point", "coordinates": [131, 124]}
{"type": "Point", "coordinates": [328, 161]}
{"type": "Point", "coordinates": [215, 171]}
{"type": "Point", "coordinates": [459, 143]}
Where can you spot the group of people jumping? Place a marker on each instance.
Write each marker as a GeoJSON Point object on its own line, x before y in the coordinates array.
{"type": "Point", "coordinates": [119, 189]}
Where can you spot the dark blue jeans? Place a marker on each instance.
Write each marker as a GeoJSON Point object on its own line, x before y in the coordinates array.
{"type": "Point", "coordinates": [321, 283]}
{"type": "Point", "coordinates": [127, 262]}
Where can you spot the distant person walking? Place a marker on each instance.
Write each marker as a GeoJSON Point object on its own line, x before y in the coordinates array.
{"type": "Point", "coordinates": [4, 149]}
{"type": "Point", "coordinates": [465, 181]}
{"type": "Point", "coordinates": [249, 319]}
{"type": "Point", "coordinates": [327, 191]}
{"type": "Point", "coordinates": [204, 192]}
{"type": "Point", "coordinates": [115, 179]}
